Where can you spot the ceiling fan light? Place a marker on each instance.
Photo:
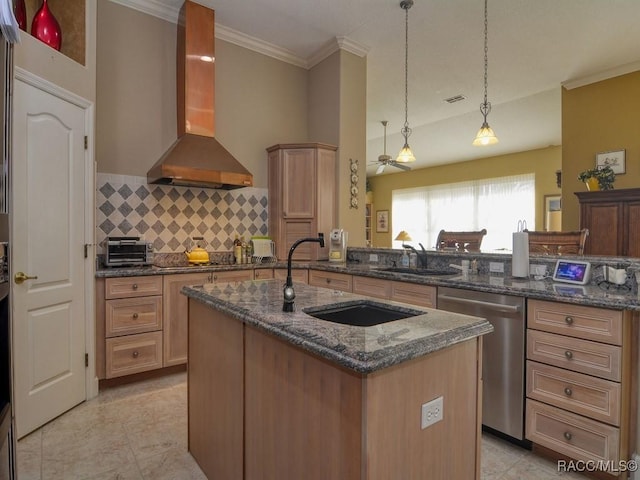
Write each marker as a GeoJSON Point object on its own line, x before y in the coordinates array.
{"type": "Point", "coordinates": [485, 136]}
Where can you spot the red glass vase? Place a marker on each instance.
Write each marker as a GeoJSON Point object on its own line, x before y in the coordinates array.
{"type": "Point", "coordinates": [46, 28]}
{"type": "Point", "coordinates": [20, 12]}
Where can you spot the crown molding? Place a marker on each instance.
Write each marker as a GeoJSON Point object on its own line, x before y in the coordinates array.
{"type": "Point", "coordinates": [152, 7]}
{"type": "Point", "coordinates": [255, 44]}
{"type": "Point", "coordinates": [338, 43]}
{"type": "Point", "coordinates": [170, 14]}
{"type": "Point", "coordinates": [600, 76]}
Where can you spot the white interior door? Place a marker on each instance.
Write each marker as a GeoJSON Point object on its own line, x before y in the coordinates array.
{"type": "Point", "coordinates": [48, 212]}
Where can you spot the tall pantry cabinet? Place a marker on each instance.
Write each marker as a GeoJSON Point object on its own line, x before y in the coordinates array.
{"type": "Point", "coordinates": [302, 197]}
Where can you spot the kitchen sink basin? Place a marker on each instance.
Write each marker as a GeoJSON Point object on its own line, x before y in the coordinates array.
{"type": "Point", "coordinates": [364, 313]}
{"type": "Point", "coordinates": [419, 271]}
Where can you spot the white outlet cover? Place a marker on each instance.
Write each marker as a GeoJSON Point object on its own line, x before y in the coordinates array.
{"type": "Point", "coordinates": [496, 267]}
{"type": "Point", "coordinates": [432, 412]}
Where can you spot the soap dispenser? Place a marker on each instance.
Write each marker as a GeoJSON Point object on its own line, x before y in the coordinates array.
{"type": "Point", "coordinates": [404, 261]}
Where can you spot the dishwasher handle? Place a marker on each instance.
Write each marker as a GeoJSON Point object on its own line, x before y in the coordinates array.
{"type": "Point", "coordinates": [480, 303]}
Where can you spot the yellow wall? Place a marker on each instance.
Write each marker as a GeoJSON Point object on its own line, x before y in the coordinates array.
{"type": "Point", "coordinates": [543, 163]}
{"type": "Point", "coordinates": [599, 117]}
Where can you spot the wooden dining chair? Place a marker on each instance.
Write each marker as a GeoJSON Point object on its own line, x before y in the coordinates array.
{"type": "Point", "coordinates": [558, 243]}
{"type": "Point", "coordinates": [469, 241]}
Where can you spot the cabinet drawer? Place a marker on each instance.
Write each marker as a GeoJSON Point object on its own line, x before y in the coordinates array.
{"type": "Point", "coordinates": [297, 274]}
{"type": "Point", "coordinates": [373, 287]}
{"type": "Point", "coordinates": [133, 354]}
{"type": "Point", "coordinates": [133, 315]}
{"type": "Point", "coordinates": [232, 276]}
{"type": "Point", "coordinates": [577, 437]}
{"type": "Point", "coordinates": [263, 273]}
{"type": "Point", "coordinates": [422, 295]}
{"type": "Point", "coordinates": [336, 281]}
{"type": "Point", "coordinates": [124, 287]}
{"type": "Point", "coordinates": [593, 397]}
{"type": "Point", "coordinates": [591, 323]}
{"type": "Point", "coordinates": [583, 356]}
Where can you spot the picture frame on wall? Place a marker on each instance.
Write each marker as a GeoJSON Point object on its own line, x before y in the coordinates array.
{"type": "Point", "coordinates": [382, 221]}
{"type": "Point", "coordinates": [614, 159]}
{"type": "Point", "coordinates": [552, 213]}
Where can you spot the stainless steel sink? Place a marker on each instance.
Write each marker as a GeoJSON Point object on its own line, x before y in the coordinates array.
{"type": "Point", "coordinates": [361, 313]}
{"type": "Point", "coordinates": [419, 271]}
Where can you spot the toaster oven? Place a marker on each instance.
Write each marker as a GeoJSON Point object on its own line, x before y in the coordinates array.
{"type": "Point", "coordinates": [128, 251]}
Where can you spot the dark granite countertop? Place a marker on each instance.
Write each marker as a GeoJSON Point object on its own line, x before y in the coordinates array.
{"type": "Point", "coordinates": [363, 349]}
{"type": "Point", "coordinates": [591, 295]}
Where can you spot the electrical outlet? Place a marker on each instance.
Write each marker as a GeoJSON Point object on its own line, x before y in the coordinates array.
{"type": "Point", "coordinates": [537, 270]}
{"type": "Point", "coordinates": [432, 412]}
{"type": "Point", "coordinates": [496, 267]}
{"type": "Point", "coordinates": [373, 257]}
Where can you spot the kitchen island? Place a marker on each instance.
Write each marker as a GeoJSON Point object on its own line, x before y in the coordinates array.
{"type": "Point", "coordinates": [286, 395]}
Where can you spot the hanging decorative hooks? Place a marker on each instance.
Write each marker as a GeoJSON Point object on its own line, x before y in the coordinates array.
{"type": "Point", "coordinates": [485, 135]}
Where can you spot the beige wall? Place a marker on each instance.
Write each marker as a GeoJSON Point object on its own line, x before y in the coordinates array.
{"type": "Point", "coordinates": [260, 101]}
{"type": "Point", "coordinates": [596, 118]}
{"type": "Point", "coordinates": [337, 115]}
{"type": "Point", "coordinates": [36, 57]}
{"type": "Point", "coordinates": [543, 163]}
{"type": "Point", "coordinates": [353, 145]}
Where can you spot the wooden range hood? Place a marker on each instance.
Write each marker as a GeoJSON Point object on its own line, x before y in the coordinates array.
{"type": "Point", "coordinates": [197, 158]}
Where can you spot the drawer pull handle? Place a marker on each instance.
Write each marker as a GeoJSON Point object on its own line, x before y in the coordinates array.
{"type": "Point", "coordinates": [568, 436]}
{"type": "Point", "coordinates": [568, 320]}
{"type": "Point", "coordinates": [568, 392]}
{"type": "Point", "coordinates": [135, 354]}
{"type": "Point", "coordinates": [215, 277]}
{"type": "Point", "coordinates": [568, 354]}
{"type": "Point", "coordinates": [328, 280]}
{"type": "Point", "coordinates": [134, 286]}
{"type": "Point", "coordinates": [135, 315]}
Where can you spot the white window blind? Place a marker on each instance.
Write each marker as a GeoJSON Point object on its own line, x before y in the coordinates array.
{"type": "Point", "coordinates": [495, 204]}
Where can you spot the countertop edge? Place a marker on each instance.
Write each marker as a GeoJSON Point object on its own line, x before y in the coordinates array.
{"type": "Point", "coordinates": [363, 363]}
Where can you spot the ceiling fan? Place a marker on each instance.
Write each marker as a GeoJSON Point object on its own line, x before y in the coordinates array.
{"type": "Point", "coordinates": [384, 159]}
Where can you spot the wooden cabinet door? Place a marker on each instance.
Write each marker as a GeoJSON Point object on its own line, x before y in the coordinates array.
{"type": "Point", "coordinates": [175, 315]}
{"type": "Point", "coordinates": [604, 224]}
{"type": "Point", "coordinates": [298, 179]}
{"type": "Point", "coordinates": [632, 237]}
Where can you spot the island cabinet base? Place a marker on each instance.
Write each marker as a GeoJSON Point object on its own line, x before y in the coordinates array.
{"type": "Point", "coordinates": [262, 408]}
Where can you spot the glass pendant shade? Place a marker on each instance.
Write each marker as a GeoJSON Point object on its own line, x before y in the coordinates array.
{"type": "Point", "coordinates": [46, 28]}
{"type": "Point", "coordinates": [485, 136]}
{"type": "Point", "coordinates": [406, 155]}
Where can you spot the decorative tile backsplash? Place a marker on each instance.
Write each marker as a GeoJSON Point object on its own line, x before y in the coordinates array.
{"type": "Point", "coordinates": [170, 216]}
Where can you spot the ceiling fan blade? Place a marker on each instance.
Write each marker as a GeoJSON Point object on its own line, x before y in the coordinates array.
{"type": "Point", "coordinates": [400, 166]}
{"type": "Point", "coordinates": [380, 169]}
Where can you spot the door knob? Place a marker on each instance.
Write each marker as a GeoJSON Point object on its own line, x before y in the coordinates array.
{"type": "Point", "coordinates": [20, 277]}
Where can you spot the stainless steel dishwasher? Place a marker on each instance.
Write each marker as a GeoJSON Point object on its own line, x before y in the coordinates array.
{"type": "Point", "coordinates": [503, 355]}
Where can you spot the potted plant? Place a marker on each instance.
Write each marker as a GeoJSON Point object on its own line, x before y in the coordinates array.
{"type": "Point", "coordinates": [598, 178]}
{"type": "Point", "coordinates": [369, 192]}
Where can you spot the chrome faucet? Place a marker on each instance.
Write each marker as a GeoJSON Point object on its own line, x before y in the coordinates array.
{"type": "Point", "coordinates": [288, 291]}
{"type": "Point", "coordinates": [422, 257]}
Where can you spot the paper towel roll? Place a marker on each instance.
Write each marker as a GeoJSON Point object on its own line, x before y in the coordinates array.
{"type": "Point", "coordinates": [520, 257]}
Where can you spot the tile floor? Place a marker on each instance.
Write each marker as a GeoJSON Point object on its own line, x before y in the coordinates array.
{"type": "Point", "coordinates": [139, 431]}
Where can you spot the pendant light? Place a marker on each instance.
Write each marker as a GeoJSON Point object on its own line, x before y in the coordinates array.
{"type": "Point", "coordinates": [406, 155]}
{"type": "Point", "coordinates": [485, 135]}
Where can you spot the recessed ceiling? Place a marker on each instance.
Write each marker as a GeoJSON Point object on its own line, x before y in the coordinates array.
{"type": "Point", "coordinates": [535, 46]}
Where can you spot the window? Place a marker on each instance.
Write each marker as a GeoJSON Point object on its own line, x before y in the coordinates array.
{"type": "Point", "coordinates": [496, 204]}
